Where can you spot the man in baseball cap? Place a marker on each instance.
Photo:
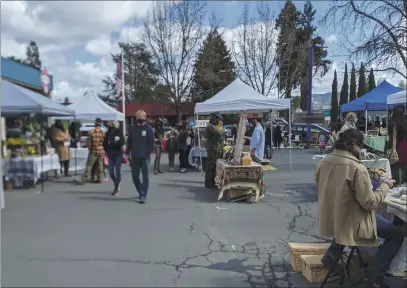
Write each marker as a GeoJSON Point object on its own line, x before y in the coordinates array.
{"type": "Point", "coordinates": [140, 144]}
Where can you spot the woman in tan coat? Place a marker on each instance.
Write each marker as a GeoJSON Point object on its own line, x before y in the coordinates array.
{"type": "Point", "coordinates": [61, 142]}
{"type": "Point", "coordinates": [347, 204]}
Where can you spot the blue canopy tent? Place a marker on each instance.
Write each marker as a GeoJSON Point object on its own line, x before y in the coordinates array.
{"type": "Point", "coordinates": [374, 100]}
{"type": "Point", "coordinates": [16, 100]}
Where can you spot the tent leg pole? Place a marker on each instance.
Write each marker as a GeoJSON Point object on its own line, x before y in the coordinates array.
{"type": "Point", "coordinates": [76, 149]}
{"type": "Point", "coordinates": [42, 155]}
{"type": "Point", "coordinates": [289, 137]}
{"type": "Point", "coordinates": [366, 121]}
{"type": "Point", "coordinates": [199, 144]}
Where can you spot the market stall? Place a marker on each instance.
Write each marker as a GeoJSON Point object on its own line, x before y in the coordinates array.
{"type": "Point", "coordinates": [238, 97]}
{"type": "Point", "coordinates": [79, 158]}
{"type": "Point", "coordinates": [18, 101]}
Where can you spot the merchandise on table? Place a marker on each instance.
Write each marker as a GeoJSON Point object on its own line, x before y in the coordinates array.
{"type": "Point", "coordinates": [232, 176]}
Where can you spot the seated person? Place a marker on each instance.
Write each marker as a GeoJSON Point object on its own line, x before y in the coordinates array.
{"type": "Point", "coordinates": [347, 204]}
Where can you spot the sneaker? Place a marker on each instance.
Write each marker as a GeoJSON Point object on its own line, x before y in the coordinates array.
{"type": "Point", "coordinates": [115, 193]}
{"type": "Point", "coordinates": [183, 170]}
{"type": "Point", "coordinates": [156, 172]}
{"type": "Point", "coordinates": [142, 200]}
{"type": "Point", "coordinates": [160, 171]}
{"type": "Point", "coordinates": [105, 180]}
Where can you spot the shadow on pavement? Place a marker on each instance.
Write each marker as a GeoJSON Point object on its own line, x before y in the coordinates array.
{"type": "Point", "coordinates": [85, 193]}
{"type": "Point", "coordinates": [199, 193]}
{"type": "Point", "coordinates": [302, 192]}
{"type": "Point", "coordinates": [110, 198]}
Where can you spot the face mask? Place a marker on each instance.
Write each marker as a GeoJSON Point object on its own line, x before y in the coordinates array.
{"type": "Point", "coordinates": [140, 121]}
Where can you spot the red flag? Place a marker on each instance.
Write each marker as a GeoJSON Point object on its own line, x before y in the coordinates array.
{"type": "Point", "coordinates": [119, 76]}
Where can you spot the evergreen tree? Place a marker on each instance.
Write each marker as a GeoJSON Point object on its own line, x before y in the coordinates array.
{"type": "Point", "coordinates": [214, 68]}
{"type": "Point", "coordinates": [140, 75]}
{"type": "Point", "coordinates": [371, 81]}
{"type": "Point", "coordinates": [16, 59]}
{"type": "Point", "coordinates": [345, 88]}
{"type": "Point", "coordinates": [33, 56]}
{"type": "Point", "coordinates": [334, 99]}
{"type": "Point", "coordinates": [362, 81]}
{"type": "Point", "coordinates": [352, 90]}
{"type": "Point", "coordinates": [288, 47]}
{"type": "Point", "coordinates": [321, 64]}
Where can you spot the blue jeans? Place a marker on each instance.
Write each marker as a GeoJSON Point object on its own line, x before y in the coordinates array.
{"type": "Point", "coordinates": [143, 165]}
{"type": "Point", "coordinates": [115, 164]}
{"type": "Point", "coordinates": [394, 238]}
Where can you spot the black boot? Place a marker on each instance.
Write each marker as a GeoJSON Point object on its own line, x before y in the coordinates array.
{"type": "Point", "coordinates": [66, 168]}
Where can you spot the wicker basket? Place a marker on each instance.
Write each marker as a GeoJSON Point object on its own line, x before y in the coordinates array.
{"type": "Point", "coordinates": [298, 249]}
{"type": "Point", "coordinates": [312, 268]}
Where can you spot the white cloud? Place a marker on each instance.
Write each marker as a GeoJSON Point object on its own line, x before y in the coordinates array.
{"type": "Point", "coordinates": [100, 46]}
{"type": "Point", "coordinates": [331, 38]}
{"type": "Point", "coordinates": [64, 89]}
{"type": "Point", "coordinates": [10, 47]}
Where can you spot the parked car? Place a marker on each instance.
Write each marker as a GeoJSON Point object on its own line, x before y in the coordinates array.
{"type": "Point", "coordinates": [83, 133]}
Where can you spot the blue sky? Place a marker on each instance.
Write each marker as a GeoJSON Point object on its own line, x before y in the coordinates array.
{"type": "Point", "coordinates": [76, 38]}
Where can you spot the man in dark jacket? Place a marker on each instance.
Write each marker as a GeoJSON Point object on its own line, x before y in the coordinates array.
{"type": "Point", "coordinates": [113, 144]}
{"type": "Point", "coordinates": [140, 144]}
{"type": "Point", "coordinates": [214, 146]}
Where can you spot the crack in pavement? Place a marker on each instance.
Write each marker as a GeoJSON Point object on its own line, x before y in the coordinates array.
{"type": "Point", "coordinates": [262, 262]}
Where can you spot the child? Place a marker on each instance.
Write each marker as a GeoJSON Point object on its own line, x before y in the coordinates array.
{"type": "Point", "coordinates": [322, 142]}
{"type": "Point", "coordinates": [172, 148]}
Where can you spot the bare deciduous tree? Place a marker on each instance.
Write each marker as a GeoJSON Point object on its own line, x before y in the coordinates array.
{"type": "Point", "coordinates": [173, 32]}
{"type": "Point", "coordinates": [254, 48]}
{"type": "Point", "coordinates": [382, 27]}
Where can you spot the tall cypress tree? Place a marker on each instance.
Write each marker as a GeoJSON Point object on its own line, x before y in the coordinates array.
{"type": "Point", "coordinates": [362, 81]}
{"type": "Point", "coordinates": [214, 68]}
{"type": "Point", "coordinates": [334, 99]}
{"type": "Point", "coordinates": [352, 90]}
{"type": "Point", "coordinates": [371, 81]}
{"type": "Point", "coordinates": [345, 87]}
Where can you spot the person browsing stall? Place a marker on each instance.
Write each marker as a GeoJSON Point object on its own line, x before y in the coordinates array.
{"type": "Point", "coordinates": [140, 144]}
{"type": "Point", "coordinates": [347, 204]}
{"type": "Point", "coordinates": [257, 141]}
{"type": "Point", "coordinates": [96, 152]}
{"type": "Point", "coordinates": [214, 135]}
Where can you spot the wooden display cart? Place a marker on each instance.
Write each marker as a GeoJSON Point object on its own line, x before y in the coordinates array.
{"type": "Point", "coordinates": [240, 182]}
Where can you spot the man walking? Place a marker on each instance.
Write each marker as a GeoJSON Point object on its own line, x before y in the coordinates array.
{"type": "Point", "coordinates": [214, 146]}
{"type": "Point", "coordinates": [257, 141]}
{"type": "Point", "coordinates": [140, 144]}
{"type": "Point", "coordinates": [96, 152]}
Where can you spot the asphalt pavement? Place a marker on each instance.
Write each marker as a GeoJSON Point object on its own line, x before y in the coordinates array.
{"type": "Point", "coordinates": [71, 236]}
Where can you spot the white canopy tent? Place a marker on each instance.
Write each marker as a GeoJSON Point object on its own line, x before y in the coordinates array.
{"type": "Point", "coordinates": [238, 97]}
{"type": "Point", "coordinates": [90, 107]}
{"type": "Point", "coordinates": [397, 98]}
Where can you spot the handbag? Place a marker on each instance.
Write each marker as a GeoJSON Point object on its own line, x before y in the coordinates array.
{"type": "Point", "coordinates": [392, 155]}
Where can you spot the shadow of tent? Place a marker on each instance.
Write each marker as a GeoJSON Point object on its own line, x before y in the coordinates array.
{"type": "Point", "coordinates": [302, 192]}
{"type": "Point", "coordinates": [199, 193]}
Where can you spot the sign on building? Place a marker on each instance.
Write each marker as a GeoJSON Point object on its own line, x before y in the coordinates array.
{"type": "Point", "coordinates": [202, 123]}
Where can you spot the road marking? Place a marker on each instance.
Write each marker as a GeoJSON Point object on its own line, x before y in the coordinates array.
{"type": "Point", "coordinates": [221, 208]}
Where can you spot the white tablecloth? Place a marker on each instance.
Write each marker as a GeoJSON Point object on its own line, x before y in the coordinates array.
{"type": "Point", "coordinates": [194, 156]}
{"type": "Point", "coordinates": [20, 168]}
{"type": "Point", "coordinates": [377, 163]}
{"type": "Point", "coordinates": [81, 156]}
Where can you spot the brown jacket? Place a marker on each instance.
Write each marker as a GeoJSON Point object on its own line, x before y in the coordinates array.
{"type": "Point", "coordinates": [59, 138]}
{"type": "Point", "coordinates": [346, 200]}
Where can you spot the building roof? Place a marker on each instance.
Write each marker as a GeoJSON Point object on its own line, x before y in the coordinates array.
{"type": "Point", "coordinates": [153, 109]}
{"type": "Point", "coordinates": [22, 74]}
